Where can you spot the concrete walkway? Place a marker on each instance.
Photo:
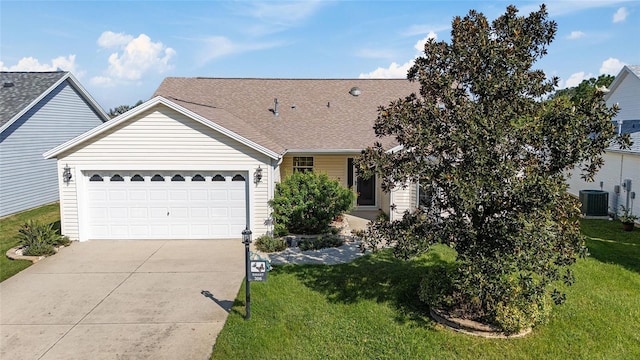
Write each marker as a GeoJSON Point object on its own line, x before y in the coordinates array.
{"type": "Point", "coordinates": [122, 300]}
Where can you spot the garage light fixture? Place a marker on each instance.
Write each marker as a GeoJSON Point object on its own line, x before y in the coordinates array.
{"type": "Point", "coordinates": [66, 174]}
{"type": "Point", "coordinates": [257, 175]}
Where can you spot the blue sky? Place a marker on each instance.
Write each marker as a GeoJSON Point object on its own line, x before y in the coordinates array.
{"type": "Point", "coordinates": [120, 51]}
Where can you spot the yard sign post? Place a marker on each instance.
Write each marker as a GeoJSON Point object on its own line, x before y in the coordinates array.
{"type": "Point", "coordinates": [246, 240]}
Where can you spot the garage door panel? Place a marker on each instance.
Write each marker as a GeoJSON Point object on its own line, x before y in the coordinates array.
{"type": "Point", "coordinates": [119, 231]}
{"type": "Point", "coordinates": [198, 194]}
{"type": "Point", "coordinates": [98, 213]}
{"type": "Point", "coordinates": [158, 213]}
{"type": "Point", "coordinates": [158, 195]}
{"type": "Point", "coordinates": [199, 212]}
{"type": "Point", "coordinates": [237, 195]}
{"type": "Point", "coordinates": [178, 195]}
{"type": "Point", "coordinates": [179, 213]}
{"type": "Point", "coordinates": [200, 230]}
{"type": "Point", "coordinates": [118, 195]}
{"type": "Point", "coordinates": [118, 213]}
{"type": "Point", "coordinates": [219, 213]}
{"type": "Point", "coordinates": [180, 230]}
{"type": "Point", "coordinates": [159, 231]}
{"type": "Point", "coordinates": [139, 231]}
{"type": "Point", "coordinates": [218, 195]}
{"type": "Point", "coordinates": [166, 209]}
{"type": "Point", "coordinates": [138, 195]}
{"type": "Point", "coordinates": [139, 213]}
{"type": "Point", "coordinates": [97, 195]}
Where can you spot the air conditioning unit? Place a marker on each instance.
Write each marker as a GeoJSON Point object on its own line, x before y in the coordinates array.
{"type": "Point", "coordinates": [594, 202]}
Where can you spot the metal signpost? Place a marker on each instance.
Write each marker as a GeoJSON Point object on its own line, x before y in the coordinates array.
{"type": "Point", "coordinates": [255, 270]}
{"type": "Point", "coordinates": [246, 240]}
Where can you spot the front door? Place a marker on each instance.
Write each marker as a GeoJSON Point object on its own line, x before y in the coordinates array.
{"type": "Point", "coordinates": [366, 189]}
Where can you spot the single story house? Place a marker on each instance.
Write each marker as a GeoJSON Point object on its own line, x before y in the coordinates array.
{"type": "Point", "coordinates": [200, 160]}
{"type": "Point", "coordinates": [38, 110]}
{"type": "Point", "coordinates": [620, 174]}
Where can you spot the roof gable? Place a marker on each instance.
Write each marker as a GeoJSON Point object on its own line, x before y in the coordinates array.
{"type": "Point", "coordinates": [312, 115]}
{"type": "Point", "coordinates": [627, 70]}
{"type": "Point", "coordinates": [156, 101]}
{"type": "Point", "coordinates": [23, 90]}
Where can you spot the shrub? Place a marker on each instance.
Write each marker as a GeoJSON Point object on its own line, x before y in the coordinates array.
{"type": "Point", "coordinates": [307, 202]}
{"type": "Point", "coordinates": [266, 243]}
{"type": "Point", "coordinates": [320, 242]}
{"type": "Point", "coordinates": [40, 239]}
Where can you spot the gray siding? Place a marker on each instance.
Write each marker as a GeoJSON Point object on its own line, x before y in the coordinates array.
{"type": "Point", "coordinates": [27, 180]}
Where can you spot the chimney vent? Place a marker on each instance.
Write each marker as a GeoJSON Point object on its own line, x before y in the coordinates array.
{"type": "Point", "coordinates": [7, 84]}
{"type": "Point", "coordinates": [275, 107]}
{"type": "Point", "coordinates": [355, 91]}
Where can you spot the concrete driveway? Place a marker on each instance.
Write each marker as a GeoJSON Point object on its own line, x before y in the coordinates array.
{"type": "Point", "coordinates": [122, 300]}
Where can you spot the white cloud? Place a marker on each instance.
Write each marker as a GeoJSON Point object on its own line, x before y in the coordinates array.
{"type": "Point", "coordinates": [109, 39]}
{"type": "Point", "coordinates": [611, 66]}
{"type": "Point", "coordinates": [393, 71]}
{"type": "Point", "coordinates": [270, 17]}
{"type": "Point", "coordinates": [396, 70]}
{"type": "Point", "coordinates": [620, 15]}
{"type": "Point", "coordinates": [414, 30]}
{"type": "Point", "coordinates": [135, 58]}
{"type": "Point", "coordinates": [66, 63]}
{"type": "Point", "coordinates": [219, 46]}
{"type": "Point", "coordinates": [420, 44]}
{"type": "Point", "coordinates": [568, 7]}
{"type": "Point", "coordinates": [575, 35]}
{"type": "Point", "coordinates": [577, 78]}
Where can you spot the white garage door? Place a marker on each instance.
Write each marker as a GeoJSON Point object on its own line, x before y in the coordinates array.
{"type": "Point", "coordinates": [166, 205]}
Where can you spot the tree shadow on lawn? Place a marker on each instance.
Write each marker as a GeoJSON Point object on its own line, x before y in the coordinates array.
{"type": "Point", "coordinates": [626, 255]}
{"type": "Point", "coordinates": [380, 277]}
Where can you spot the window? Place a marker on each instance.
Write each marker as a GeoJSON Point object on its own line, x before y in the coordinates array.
{"type": "Point", "coordinates": [302, 163]}
{"type": "Point", "coordinates": [423, 198]}
{"type": "Point", "coordinates": [177, 177]}
{"type": "Point", "coordinates": [197, 177]}
{"type": "Point", "coordinates": [238, 177]}
{"type": "Point", "coordinates": [137, 177]}
{"type": "Point", "coordinates": [218, 178]}
{"type": "Point", "coordinates": [96, 177]}
{"type": "Point", "coordinates": [157, 177]}
{"type": "Point", "coordinates": [116, 177]}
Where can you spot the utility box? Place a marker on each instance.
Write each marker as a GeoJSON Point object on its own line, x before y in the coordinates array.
{"type": "Point", "coordinates": [594, 202]}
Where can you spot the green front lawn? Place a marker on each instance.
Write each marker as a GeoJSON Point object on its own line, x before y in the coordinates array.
{"type": "Point", "coordinates": [368, 309]}
{"type": "Point", "coordinates": [9, 228]}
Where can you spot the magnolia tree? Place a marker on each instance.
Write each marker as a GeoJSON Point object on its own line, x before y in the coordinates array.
{"type": "Point", "coordinates": [490, 155]}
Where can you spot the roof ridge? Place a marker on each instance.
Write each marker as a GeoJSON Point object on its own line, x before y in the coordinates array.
{"type": "Point", "coordinates": [283, 78]}
{"type": "Point", "coordinates": [34, 72]}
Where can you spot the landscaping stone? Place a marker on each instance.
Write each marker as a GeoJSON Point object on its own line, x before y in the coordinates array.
{"type": "Point", "coordinates": [471, 327]}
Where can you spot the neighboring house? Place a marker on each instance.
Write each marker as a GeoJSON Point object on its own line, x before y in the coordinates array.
{"type": "Point", "coordinates": [619, 165]}
{"type": "Point", "coordinates": [625, 92]}
{"type": "Point", "coordinates": [38, 110]}
{"type": "Point", "coordinates": [201, 159]}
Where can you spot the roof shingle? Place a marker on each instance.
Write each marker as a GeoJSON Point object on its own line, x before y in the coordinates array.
{"type": "Point", "coordinates": [313, 114]}
{"type": "Point", "coordinates": [19, 89]}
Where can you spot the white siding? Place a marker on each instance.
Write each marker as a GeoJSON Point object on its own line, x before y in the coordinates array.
{"type": "Point", "coordinates": [27, 180]}
{"type": "Point", "coordinates": [162, 139]}
{"type": "Point", "coordinates": [403, 199]}
{"type": "Point", "coordinates": [627, 96]}
{"type": "Point", "coordinates": [617, 167]}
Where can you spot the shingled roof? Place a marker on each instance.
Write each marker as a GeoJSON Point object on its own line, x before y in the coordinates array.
{"type": "Point", "coordinates": [20, 89]}
{"type": "Point", "coordinates": [312, 114]}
